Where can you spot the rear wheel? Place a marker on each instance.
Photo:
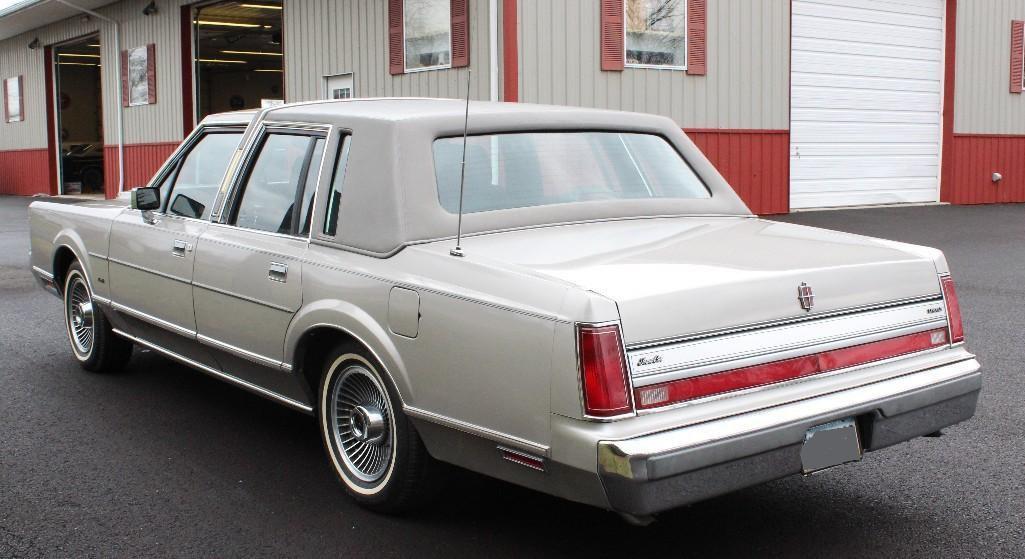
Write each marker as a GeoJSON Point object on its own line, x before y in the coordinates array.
{"type": "Point", "coordinates": [373, 447]}
{"type": "Point", "coordinates": [93, 342]}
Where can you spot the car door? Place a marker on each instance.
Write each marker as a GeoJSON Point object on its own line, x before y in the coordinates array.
{"type": "Point", "coordinates": [248, 278]}
{"type": "Point", "coordinates": [152, 252]}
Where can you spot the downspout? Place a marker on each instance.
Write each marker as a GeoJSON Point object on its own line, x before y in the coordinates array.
{"type": "Point", "coordinates": [493, 47]}
{"type": "Point", "coordinates": [120, 91]}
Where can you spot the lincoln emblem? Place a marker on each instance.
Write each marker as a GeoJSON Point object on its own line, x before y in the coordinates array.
{"type": "Point", "coordinates": [805, 296]}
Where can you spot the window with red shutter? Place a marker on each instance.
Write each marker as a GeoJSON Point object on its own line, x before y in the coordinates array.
{"type": "Point", "coordinates": [460, 33]}
{"type": "Point", "coordinates": [612, 46]}
{"type": "Point", "coordinates": [1017, 55]}
{"type": "Point", "coordinates": [395, 40]}
{"type": "Point", "coordinates": [696, 44]}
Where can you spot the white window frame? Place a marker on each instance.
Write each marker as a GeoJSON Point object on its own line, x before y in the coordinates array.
{"type": "Point", "coordinates": [405, 34]}
{"type": "Point", "coordinates": [686, 45]}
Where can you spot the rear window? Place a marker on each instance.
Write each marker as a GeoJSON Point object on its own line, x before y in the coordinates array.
{"type": "Point", "coordinates": [522, 170]}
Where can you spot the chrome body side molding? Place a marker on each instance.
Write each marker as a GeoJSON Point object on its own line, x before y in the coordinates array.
{"type": "Point", "coordinates": [148, 270]}
{"type": "Point", "coordinates": [240, 297]}
{"type": "Point", "coordinates": [501, 438]}
{"type": "Point", "coordinates": [653, 365]}
{"type": "Point", "coordinates": [220, 374]}
{"type": "Point", "coordinates": [239, 352]}
{"type": "Point", "coordinates": [146, 317]}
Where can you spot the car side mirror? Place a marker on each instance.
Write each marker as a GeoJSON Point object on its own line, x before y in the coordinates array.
{"type": "Point", "coordinates": [146, 199]}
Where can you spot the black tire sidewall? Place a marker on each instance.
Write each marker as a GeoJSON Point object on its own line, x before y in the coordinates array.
{"type": "Point", "coordinates": [384, 494]}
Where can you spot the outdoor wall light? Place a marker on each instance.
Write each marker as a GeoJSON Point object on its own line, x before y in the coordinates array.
{"type": "Point", "coordinates": [997, 177]}
{"type": "Point", "coordinates": [150, 9]}
{"type": "Point", "coordinates": [34, 44]}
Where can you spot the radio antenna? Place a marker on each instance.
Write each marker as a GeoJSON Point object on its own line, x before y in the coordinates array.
{"type": "Point", "coordinates": [458, 251]}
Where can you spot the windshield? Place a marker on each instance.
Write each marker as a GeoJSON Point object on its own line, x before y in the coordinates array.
{"type": "Point", "coordinates": [540, 168]}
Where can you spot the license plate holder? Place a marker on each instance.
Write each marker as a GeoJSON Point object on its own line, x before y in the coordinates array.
{"type": "Point", "coordinates": [830, 444]}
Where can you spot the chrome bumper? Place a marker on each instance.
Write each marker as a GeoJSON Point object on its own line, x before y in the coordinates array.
{"type": "Point", "coordinates": [656, 472]}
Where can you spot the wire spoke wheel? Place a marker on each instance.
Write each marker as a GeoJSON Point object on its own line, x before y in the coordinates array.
{"type": "Point", "coordinates": [362, 422]}
{"type": "Point", "coordinates": [79, 314]}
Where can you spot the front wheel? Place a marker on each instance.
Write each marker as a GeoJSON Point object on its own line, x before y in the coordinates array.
{"type": "Point", "coordinates": [373, 447]}
{"type": "Point", "coordinates": [93, 342]}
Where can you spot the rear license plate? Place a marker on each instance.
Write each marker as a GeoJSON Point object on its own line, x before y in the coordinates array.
{"type": "Point", "coordinates": [830, 444]}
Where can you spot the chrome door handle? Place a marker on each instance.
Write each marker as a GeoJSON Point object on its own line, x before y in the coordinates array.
{"type": "Point", "coordinates": [180, 247]}
{"type": "Point", "coordinates": [278, 272]}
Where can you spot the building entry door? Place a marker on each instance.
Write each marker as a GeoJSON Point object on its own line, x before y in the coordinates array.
{"type": "Point", "coordinates": [78, 111]}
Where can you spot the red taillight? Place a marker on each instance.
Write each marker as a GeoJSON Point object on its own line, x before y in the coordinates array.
{"type": "Point", "coordinates": [953, 310]}
{"type": "Point", "coordinates": [603, 371]}
{"type": "Point", "coordinates": [758, 375]}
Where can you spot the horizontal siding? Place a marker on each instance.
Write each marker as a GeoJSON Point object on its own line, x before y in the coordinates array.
{"type": "Point", "coordinates": [328, 37]}
{"type": "Point", "coordinates": [754, 162]}
{"type": "Point", "coordinates": [141, 162]}
{"type": "Point", "coordinates": [24, 172]}
{"type": "Point", "coordinates": [748, 66]}
{"type": "Point", "coordinates": [143, 124]}
{"type": "Point", "coordinates": [983, 103]}
{"type": "Point", "coordinates": [976, 158]}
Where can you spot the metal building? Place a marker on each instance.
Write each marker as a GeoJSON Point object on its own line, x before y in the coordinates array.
{"type": "Point", "coordinates": [799, 103]}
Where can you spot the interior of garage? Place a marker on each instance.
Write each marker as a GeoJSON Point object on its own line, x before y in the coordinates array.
{"type": "Point", "coordinates": [238, 56]}
{"type": "Point", "coordinates": [79, 115]}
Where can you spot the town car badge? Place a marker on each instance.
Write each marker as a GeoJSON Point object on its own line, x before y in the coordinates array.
{"type": "Point", "coordinates": [805, 296]}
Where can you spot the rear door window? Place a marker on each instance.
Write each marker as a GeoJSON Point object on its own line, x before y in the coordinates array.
{"type": "Point", "coordinates": [277, 195]}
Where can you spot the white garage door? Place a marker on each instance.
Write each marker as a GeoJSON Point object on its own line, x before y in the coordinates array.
{"type": "Point", "coordinates": [865, 102]}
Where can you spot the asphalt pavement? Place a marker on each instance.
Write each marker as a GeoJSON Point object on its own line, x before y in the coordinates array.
{"type": "Point", "coordinates": [164, 461]}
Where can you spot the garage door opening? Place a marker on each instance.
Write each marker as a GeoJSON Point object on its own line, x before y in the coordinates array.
{"type": "Point", "coordinates": [237, 56]}
{"type": "Point", "coordinates": [78, 109]}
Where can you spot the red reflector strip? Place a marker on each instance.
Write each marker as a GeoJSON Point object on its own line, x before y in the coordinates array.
{"type": "Point", "coordinates": [533, 462]}
{"type": "Point", "coordinates": [788, 369]}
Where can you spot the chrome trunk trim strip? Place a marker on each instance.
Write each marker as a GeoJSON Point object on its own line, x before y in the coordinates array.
{"type": "Point", "coordinates": [483, 432]}
{"type": "Point", "coordinates": [219, 374]}
{"type": "Point", "coordinates": [653, 365]}
{"type": "Point", "coordinates": [770, 323]}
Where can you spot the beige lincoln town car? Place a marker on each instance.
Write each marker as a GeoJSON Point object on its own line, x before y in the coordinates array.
{"type": "Point", "coordinates": [615, 327]}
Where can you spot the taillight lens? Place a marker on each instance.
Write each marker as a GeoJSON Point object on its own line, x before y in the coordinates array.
{"type": "Point", "coordinates": [953, 310]}
{"type": "Point", "coordinates": [603, 371]}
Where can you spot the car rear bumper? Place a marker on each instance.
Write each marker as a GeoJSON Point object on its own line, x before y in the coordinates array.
{"type": "Point", "coordinates": [660, 471]}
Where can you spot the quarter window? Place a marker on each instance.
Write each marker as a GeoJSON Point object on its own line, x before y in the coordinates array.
{"type": "Point", "coordinates": [656, 33]}
{"type": "Point", "coordinates": [190, 192]}
{"type": "Point", "coordinates": [334, 196]}
{"type": "Point", "coordinates": [427, 29]}
{"type": "Point", "coordinates": [274, 186]}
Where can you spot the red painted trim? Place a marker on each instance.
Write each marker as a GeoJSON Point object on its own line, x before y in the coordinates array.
{"type": "Point", "coordinates": [697, 47]}
{"type": "Point", "coordinates": [188, 111]}
{"type": "Point", "coordinates": [976, 135]}
{"type": "Point", "coordinates": [24, 172]}
{"type": "Point", "coordinates": [51, 120]}
{"type": "Point", "coordinates": [141, 162]}
{"type": "Point", "coordinates": [756, 163]}
{"type": "Point", "coordinates": [612, 34]}
{"type": "Point", "coordinates": [734, 131]}
{"type": "Point", "coordinates": [949, 67]}
{"type": "Point", "coordinates": [973, 160]}
{"type": "Point", "coordinates": [510, 52]}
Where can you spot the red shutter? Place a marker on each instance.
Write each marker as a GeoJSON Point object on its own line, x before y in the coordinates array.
{"type": "Point", "coordinates": [396, 62]}
{"type": "Point", "coordinates": [151, 72]}
{"type": "Point", "coordinates": [696, 45]}
{"type": "Point", "coordinates": [1017, 54]}
{"type": "Point", "coordinates": [460, 33]}
{"type": "Point", "coordinates": [612, 35]}
{"type": "Point", "coordinates": [124, 79]}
